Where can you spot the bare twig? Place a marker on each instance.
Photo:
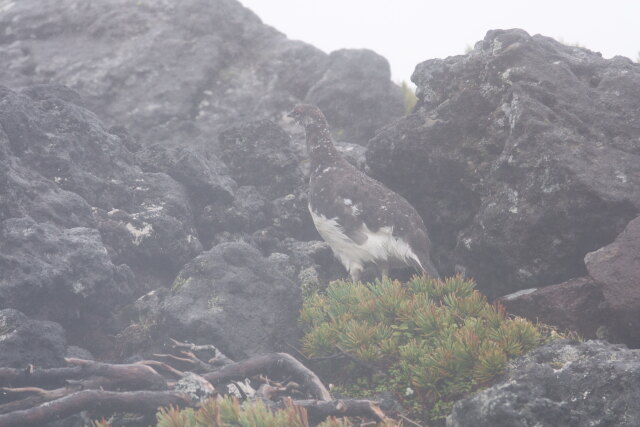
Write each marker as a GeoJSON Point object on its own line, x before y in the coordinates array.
{"type": "Point", "coordinates": [105, 402]}
{"type": "Point", "coordinates": [321, 409]}
{"type": "Point", "coordinates": [277, 363]}
{"type": "Point", "coordinates": [410, 421]}
{"type": "Point", "coordinates": [357, 361]}
{"type": "Point", "coordinates": [193, 347]}
{"type": "Point", "coordinates": [33, 396]}
{"type": "Point", "coordinates": [162, 366]}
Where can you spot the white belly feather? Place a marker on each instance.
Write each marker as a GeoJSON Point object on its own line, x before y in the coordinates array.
{"type": "Point", "coordinates": [380, 246]}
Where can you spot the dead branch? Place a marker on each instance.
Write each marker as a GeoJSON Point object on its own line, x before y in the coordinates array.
{"type": "Point", "coordinates": [103, 402]}
{"type": "Point", "coordinates": [157, 365]}
{"type": "Point", "coordinates": [194, 347]}
{"type": "Point", "coordinates": [274, 364]}
{"type": "Point", "coordinates": [87, 384]}
{"type": "Point", "coordinates": [410, 421]}
{"type": "Point", "coordinates": [129, 376]}
{"type": "Point", "coordinates": [188, 361]}
{"type": "Point", "coordinates": [28, 391]}
{"type": "Point", "coordinates": [321, 409]}
{"type": "Point", "coordinates": [266, 391]}
{"type": "Point", "coordinates": [52, 377]}
{"type": "Point", "coordinates": [198, 363]}
{"type": "Point", "coordinates": [357, 361]}
{"type": "Point", "coordinates": [33, 396]}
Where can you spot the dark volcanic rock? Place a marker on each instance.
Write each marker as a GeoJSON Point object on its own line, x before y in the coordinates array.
{"type": "Point", "coordinates": [263, 158]}
{"type": "Point", "coordinates": [576, 305]}
{"type": "Point", "coordinates": [605, 304]}
{"type": "Point", "coordinates": [562, 384]}
{"type": "Point", "coordinates": [80, 174]}
{"type": "Point", "coordinates": [229, 296]}
{"type": "Point", "coordinates": [25, 341]}
{"type": "Point", "coordinates": [261, 154]}
{"type": "Point", "coordinates": [78, 213]}
{"type": "Point", "coordinates": [310, 264]}
{"type": "Point", "coordinates": [356, 94]}
{"type": "Point", "coordinates": [58, 274]}
{"type": "Point", "coordinates": [616, 268]}
{"type": "Point", "coordinates": [522, 156]}
{"type": "Point", "coordinates": [128, 62]}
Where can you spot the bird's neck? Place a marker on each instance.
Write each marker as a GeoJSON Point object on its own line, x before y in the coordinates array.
{"type": "Point", "coordinates": [322, 152]}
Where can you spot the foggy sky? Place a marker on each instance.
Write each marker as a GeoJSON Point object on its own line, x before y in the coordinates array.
{"type": "Point", "coordinates": [407, 32]}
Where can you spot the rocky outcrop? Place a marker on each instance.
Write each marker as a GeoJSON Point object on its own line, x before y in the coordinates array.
{"type": "Point", "coordinates": [88, 224]}
{"type": "Point", "coordinates": [183, 158]}
{"type": "Point", "coordinates": [180, 73]}
{"type": "Point", "coordinates": [92, 219]}
{"type": "Point", "coordinates": [232, 296]}
{"type": "Point", "coordinates": [562, 384]}
{"type": "Point", "coordinates": [94, 178]}
{"type": "Point", "coordinates": [522, 157]}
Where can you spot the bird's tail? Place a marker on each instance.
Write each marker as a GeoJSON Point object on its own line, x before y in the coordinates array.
{"type": "Point", "coordinates": [426, 267]}
{"type": "Point", "coordinates": [430, 270]}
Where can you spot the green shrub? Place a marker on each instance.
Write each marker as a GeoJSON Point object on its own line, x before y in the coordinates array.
{"type": "Point", "coordinates": [228, 412]}
{"type": "Point", "coordinates": [410, 98]}
{"type": "Point", "coordinates": [430, 341]}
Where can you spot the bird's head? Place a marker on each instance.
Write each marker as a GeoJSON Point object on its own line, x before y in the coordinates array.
{"type": "Point", "coordinates": [306, 114]}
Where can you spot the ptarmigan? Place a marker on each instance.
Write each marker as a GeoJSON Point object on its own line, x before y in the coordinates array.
{"type": "Point", "coordinates": [361, 220]}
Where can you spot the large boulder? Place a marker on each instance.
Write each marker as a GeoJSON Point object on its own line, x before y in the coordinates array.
{"type": "Point", "coordinates": [238, 68]}
{"type": "Point", "coordinates": [522, 156]}
{"type": "Point", "coordinates": [616, 269]}
{"type": "Point", "coordinates": [561, 384]}
{"type": "Point", "coordinates": [230, 296]}
{"type": "Point", "coordinates": [59, 274]}
{"type": "Point", "coordinates": [24, 341]}
{"type": "Point", "coordinates": [575, 305]}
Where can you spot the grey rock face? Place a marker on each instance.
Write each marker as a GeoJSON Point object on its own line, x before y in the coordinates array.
{"type": "Point", "coordinates": [261, 154]}
{"type": "Point", "coordinates": [89, 224]}
{"type": "Point", "coordinates": [97, 211]}
{"type": "Point", "coordinates": [562, 384]}
{"type": "Point", "coordinates": [78, 214]}
{"type": "Point", "coordinates": [522, 156]}
{"type": "Point", "coordinates": [230, 296]}
{"type": "Point", "coordinates": [356, 94]}
{"type": "Point", "coordinates": [25, 341]}
{"type": "Point", "coordinates": [83, 175]}
{"type": "Point", "coordinates": [178, 73]}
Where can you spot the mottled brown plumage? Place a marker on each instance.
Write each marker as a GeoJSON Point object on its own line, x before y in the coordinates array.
{"type": "Point", "coordinates": [362, 220]}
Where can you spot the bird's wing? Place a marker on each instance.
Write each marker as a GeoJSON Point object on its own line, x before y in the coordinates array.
{"type": "Point", "coordinates": [336, 197]}
{"type": "Point", "coordinates": [375, 203]}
